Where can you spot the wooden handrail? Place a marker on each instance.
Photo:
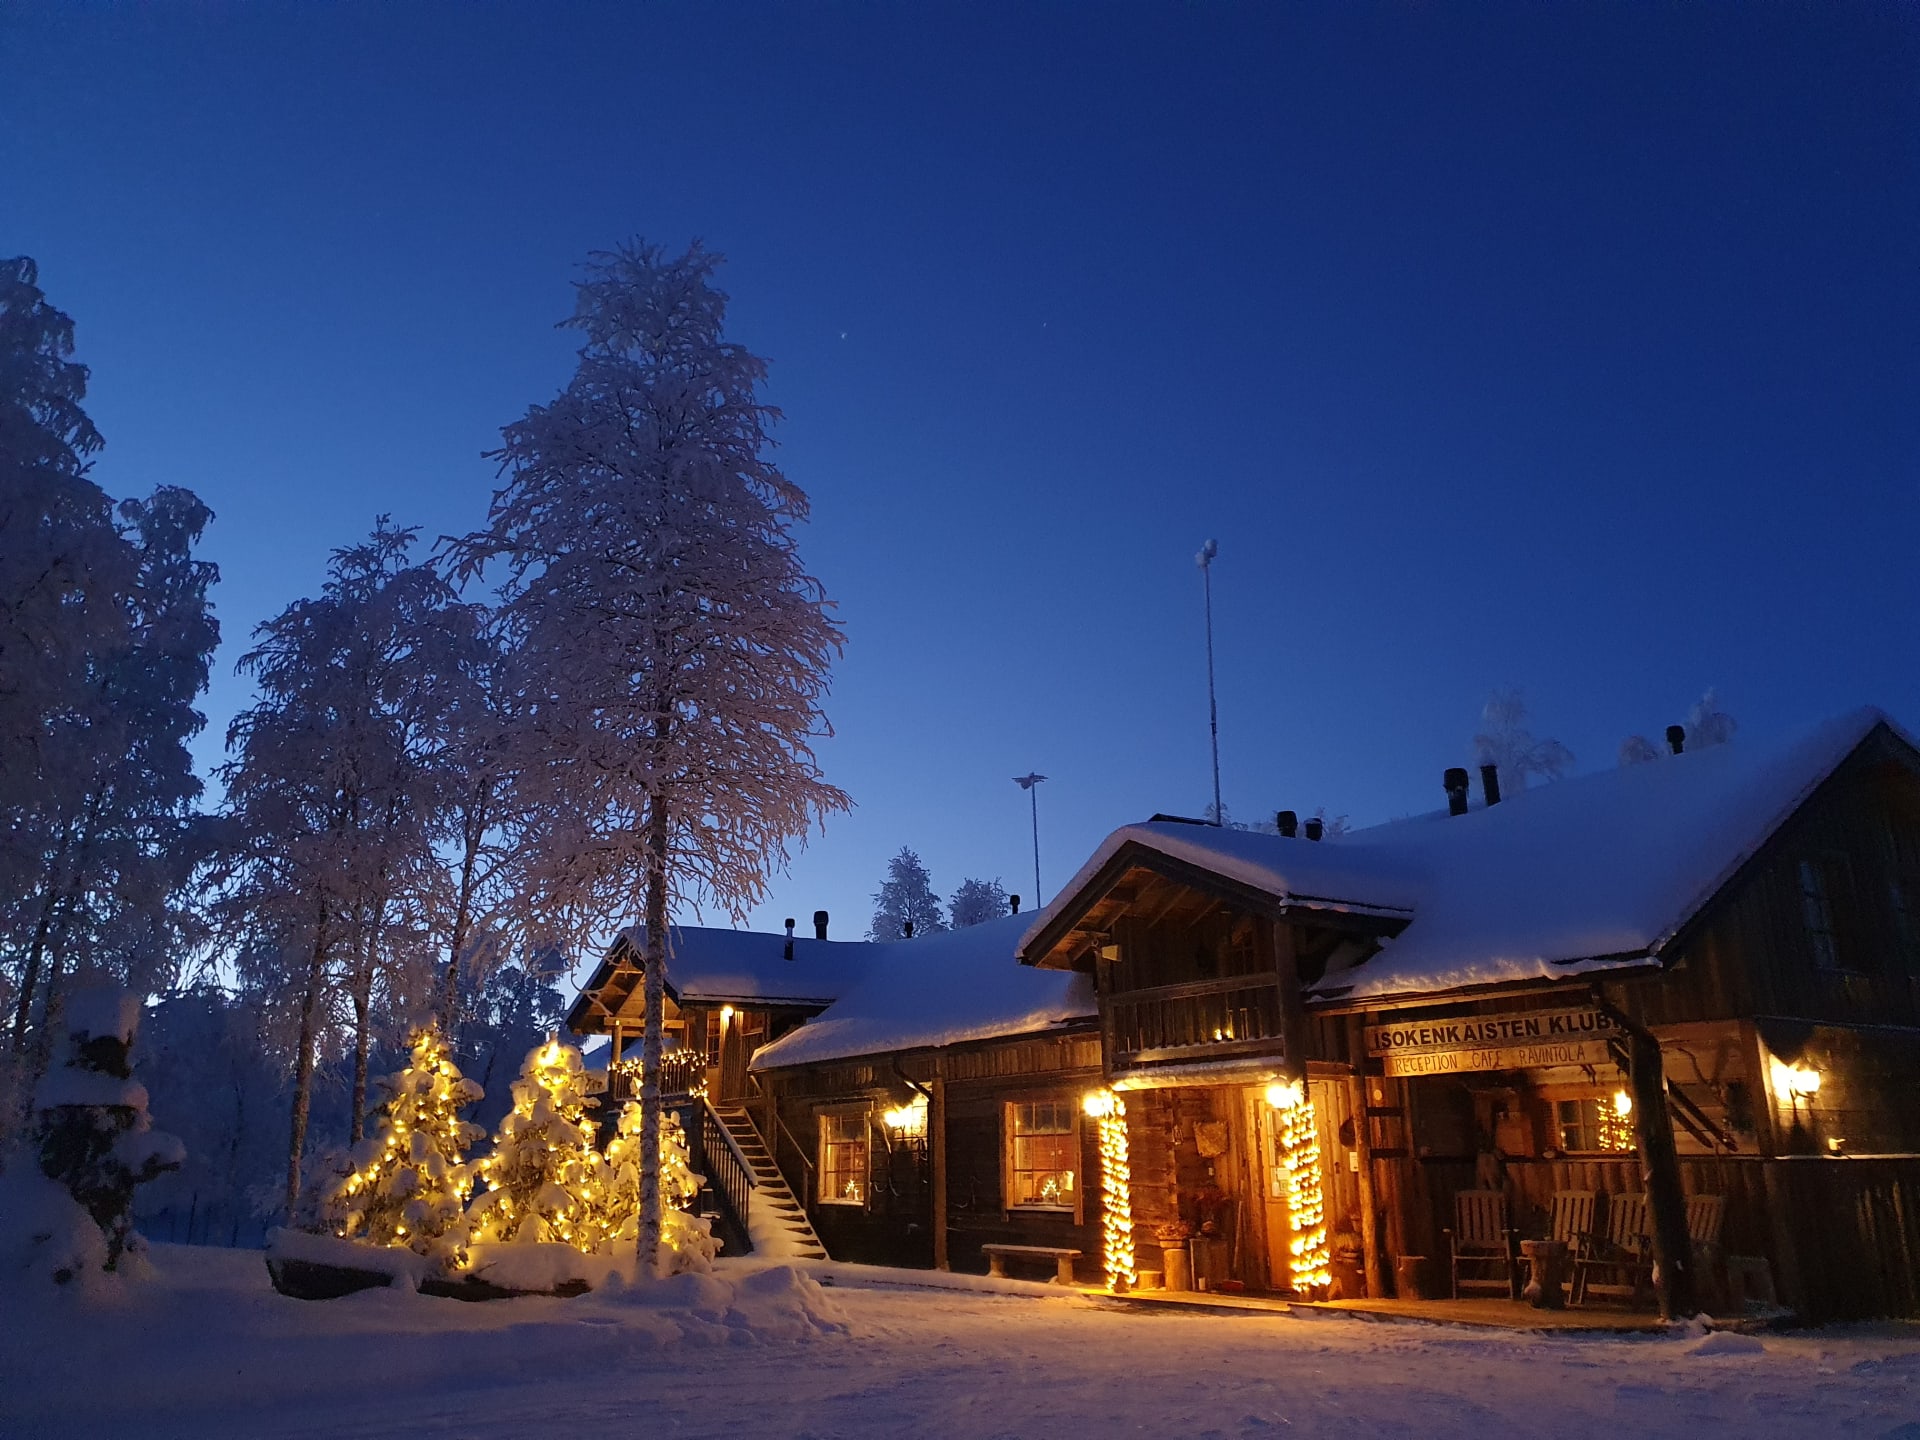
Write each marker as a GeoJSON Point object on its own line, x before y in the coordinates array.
{"type": "Point", "coordinates": [726, 1136]}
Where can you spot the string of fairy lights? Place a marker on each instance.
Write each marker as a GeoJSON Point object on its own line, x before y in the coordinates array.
{"type": "Point", "coordinates": [1309, 1260]}
{"type": "Point", "coordinates": [1116, 1188]}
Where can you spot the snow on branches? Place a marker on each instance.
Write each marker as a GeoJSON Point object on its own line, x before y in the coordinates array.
{"type": "Point", "coordinates": [95, 1142]}
{"type": "Point", "coordinates": [543, 1156]}
{"type": "Point", "coordinates": [1509, 744]}
{"type": "Point", "coordinates": [905, 898]}
{"type": "Point", "coordinates": [410, 1179]}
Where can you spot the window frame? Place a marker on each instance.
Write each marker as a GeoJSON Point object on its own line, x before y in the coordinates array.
{"type": "Point", "coordinates": [1009, 1152]}
{"type": "Point", "coordinates": [1825, 880]}
{"type": "Point", "coordinates": [826, 1143]}
{"type": "Point", "coordinates": [1589, 1126]}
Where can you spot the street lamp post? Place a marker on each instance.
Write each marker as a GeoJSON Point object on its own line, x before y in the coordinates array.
{"type": "Point", "coordinates": [1027, 783]}
{"type": "Point", "coordinates": [1205, 561]}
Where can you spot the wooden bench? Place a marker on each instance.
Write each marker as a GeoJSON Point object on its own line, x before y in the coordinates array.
{"type": "Point", "coordinates": [1062, 1259]}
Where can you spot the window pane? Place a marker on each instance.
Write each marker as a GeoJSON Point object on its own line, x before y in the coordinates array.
{"type": "Point", "coordinates": [843, 1158]}
{"type": "Point", "coordinates": [1044, 1153]}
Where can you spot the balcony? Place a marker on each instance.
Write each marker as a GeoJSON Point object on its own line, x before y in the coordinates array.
{"type": "Point", "coordinates": [1203, 1020]}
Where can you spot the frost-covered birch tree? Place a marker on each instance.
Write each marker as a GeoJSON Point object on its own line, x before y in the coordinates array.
{"type": "Point", "coordinates": [1509, 744]}
{"type": "Point", "coordinates": [977, 900]}
{"type": "Point", "coordinates": [105, 637]}
{"type": "Point", "coordinates": [675, 651]}
{"type": "Point", "coordinates": [331, 798]}
{"type": "Point", "coordinates": [906, 898]}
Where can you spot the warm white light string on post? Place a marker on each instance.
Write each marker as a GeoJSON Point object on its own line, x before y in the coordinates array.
{"type": "Point", "coordinates": [1310, 1262]}
{"type": "Point", "coordinates": [1116, 1183]}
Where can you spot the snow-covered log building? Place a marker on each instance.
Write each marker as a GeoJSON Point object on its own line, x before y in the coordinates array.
{"type": "Point", "coordinates": [1580, 1014]}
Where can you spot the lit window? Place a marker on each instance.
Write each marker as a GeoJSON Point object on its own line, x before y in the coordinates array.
{"type": "Point", "coordinates": [715, 1028]}
{"type": "Point", "coordinates": [1596, 1123]}
{"type": "Point", "coordinates": [843, 1157]}
{"type": "Point", "coordinates": [1816, 909]}
{"type": "Point", "coordinates": [1044, 1144]}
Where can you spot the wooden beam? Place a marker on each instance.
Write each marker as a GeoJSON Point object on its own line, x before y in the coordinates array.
{"type": "Point", "coordinates": [1660, 1167]}
{"type": "Point", "coordinates": [937, 1148]}
{"type": "Point", "coordinates": [1357, 1102]}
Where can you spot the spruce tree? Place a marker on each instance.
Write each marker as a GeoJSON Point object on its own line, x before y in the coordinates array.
{"type": "Point", "coordinates": [541, 1174]}
{"type": "Point", "coordinates": [410, 1178]}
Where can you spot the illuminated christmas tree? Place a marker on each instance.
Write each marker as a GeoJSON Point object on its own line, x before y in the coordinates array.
{"type": "Point", "coordinates": [542, 1177]}
{"type": "Point", "coordinates": [410, 1180]}
{"type": "Point", "coordinates": [686, 1241]}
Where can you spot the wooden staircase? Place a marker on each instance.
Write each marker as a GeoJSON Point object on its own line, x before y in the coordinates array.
{"type": "Point", "coordinates": [778, 1224]}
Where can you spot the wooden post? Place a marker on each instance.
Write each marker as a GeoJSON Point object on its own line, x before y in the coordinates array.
{"type": "Point", "coordinates": [1293, 1014]}
{"type": "Point", "coordinates": [937, 1148]}
{"type": "Point", "coordinates": [1660, 1169]}
{"type": "Point", "coordinates": [1357, 1102]}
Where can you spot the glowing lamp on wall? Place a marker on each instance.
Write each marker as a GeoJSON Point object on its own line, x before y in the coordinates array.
{"type": "Point", "coordinates": [1796, 1080]}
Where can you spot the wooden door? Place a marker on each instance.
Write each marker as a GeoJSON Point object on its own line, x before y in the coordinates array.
{"type": "Point", "coordinates": [1267, 1188]}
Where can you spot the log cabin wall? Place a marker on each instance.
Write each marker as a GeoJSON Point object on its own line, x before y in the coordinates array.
{"type": "Point", "coordinates": [893, 1225]}
{"type": "Point", "coordinates": [1850, 857]}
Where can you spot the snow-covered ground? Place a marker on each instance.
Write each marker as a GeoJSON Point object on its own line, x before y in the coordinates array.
{"type": "Point", "coordinates": [205, 1349]}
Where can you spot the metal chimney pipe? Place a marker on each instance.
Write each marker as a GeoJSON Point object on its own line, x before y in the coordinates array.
{"type": "Point", "coordinates": [1490, 783]}
{"type": "Point", "coordinates": [819, 924]}
{"type": "Point", "coordinates": [906, 929]}
{"type": "Point", "coordinates": [1676, 738]}
{"type": "Point", "coordinates": [1014, 902]}
{"type": "Point", "coordinates": [1456, 782]}
{"type": "Point", "coordinates": [1287, 823]}
{"type": "Point", "coordinates": [789, 937]}
{"type": "Point", "coordinates": [1315, 829]}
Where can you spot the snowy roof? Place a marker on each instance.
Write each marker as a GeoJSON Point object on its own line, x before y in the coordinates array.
{"type": "Point", "coordinates": [1573, 876]}
{"type": "Point", "coordinates": [714, 966]}
{"type": "Point", "coordinates": [1301, 872]}
{"type": "Point", "coordinates": [943, 989]}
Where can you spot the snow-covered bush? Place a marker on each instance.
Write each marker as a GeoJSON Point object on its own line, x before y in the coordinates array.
{"type": "Point", "coordinates": [95, 1144]}
{"type": "Point", "coordinates": [410, 1179]}
{"type": "Point", "coordinates": [543, 1158]}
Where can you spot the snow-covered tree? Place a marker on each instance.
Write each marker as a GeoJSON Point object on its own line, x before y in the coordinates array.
{"type": "Point", "coordinates": [330, 803]}
{"type": "Point", "coordinates": [905, 895]}
{"type": "Point", "coordinates": [540, 1172]}
{"type": "Point", "coordinates": [91, 1126]}
{"type": "Point", "coordinates": [673, 652]}
{"type": "Point", "coordinates": [1708, 724]}
{"type": "Point", "coordinates": [1638, 750]}
{"type": "Point", "coordinates": [410, 1178]}
{"type": "Point", "coordinates": [1508, 743]}
{"type": "Point", "coordinates": [686, 1239]}
{"type": "Point", "coordinates": [974, 901]}
{"type": "Point", "coordinates": [105, 637]}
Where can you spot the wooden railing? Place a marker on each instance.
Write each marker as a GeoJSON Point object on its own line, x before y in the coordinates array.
{"type": "Point", "coordinates": [799, 1176]}
{"type": "Point", "coordinates": [1220, 1017]}
{"type": "Point", "coordinates": [715, 1155]}
{"type": "Point", "coordinates": [682, 1072]}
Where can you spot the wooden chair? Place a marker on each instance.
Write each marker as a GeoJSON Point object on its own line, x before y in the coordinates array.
{"type": "Point", "coordinates": [1624, 1253]}
{"type": "Point", "coordinates": [1481, 1237]}
{"type": "Point", "coordinates": [1572, 1220]}
{"type": "Point", "coordinates": [1706, 1219]}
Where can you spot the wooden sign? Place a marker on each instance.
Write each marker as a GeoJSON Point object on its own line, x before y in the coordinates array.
{"type": "Point", "coordinates": [1511, 1040]}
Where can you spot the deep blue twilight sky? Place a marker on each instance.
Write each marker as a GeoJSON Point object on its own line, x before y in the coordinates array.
{"type": "Point", "coordinates": [1573, 347]}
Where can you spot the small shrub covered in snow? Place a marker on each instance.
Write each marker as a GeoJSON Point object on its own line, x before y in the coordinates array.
{"type": "Point", "coordinates": [95, 1144]}
{"type": "Point", "coordinates": [410, 1180]}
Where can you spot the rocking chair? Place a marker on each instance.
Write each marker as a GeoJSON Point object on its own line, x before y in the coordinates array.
{"type": "Point", "coordinates": [1481, 1238]}
{"type": "Point", "coordinates": [1624, 1254]}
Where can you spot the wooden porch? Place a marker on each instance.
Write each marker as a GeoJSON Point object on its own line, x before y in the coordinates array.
{"type": "Point", "coordinates": [1512, 1315]}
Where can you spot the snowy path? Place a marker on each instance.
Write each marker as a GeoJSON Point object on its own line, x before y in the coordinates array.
{"type": "Point", "coordinates": [208, 1351]}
